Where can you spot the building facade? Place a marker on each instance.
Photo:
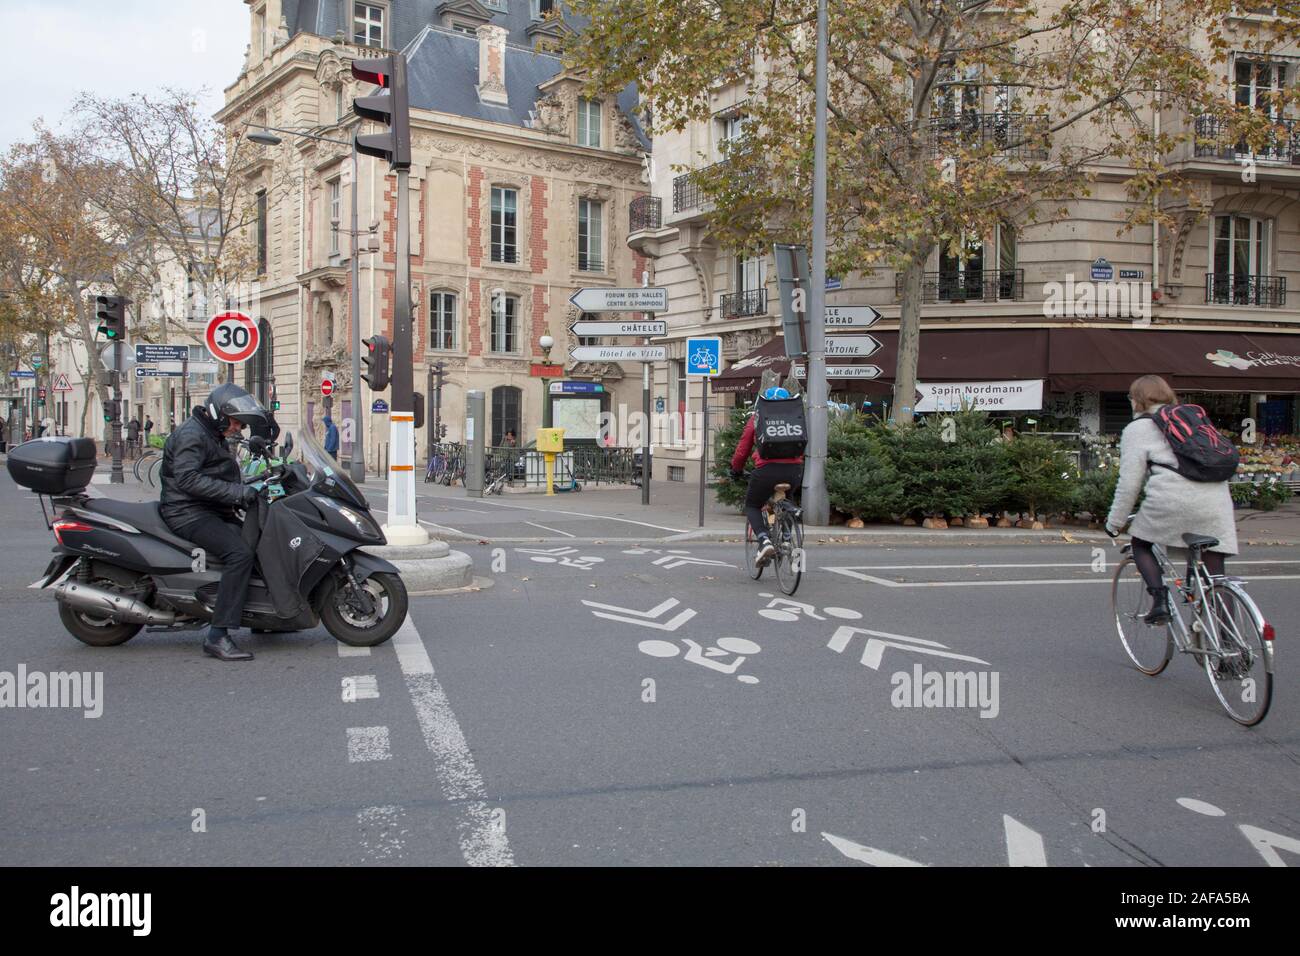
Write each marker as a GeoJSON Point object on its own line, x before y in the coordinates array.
{"type": "Point", "coordinates": [1213, 302]}
{"type": "Point", "coordinates": [517, 190]}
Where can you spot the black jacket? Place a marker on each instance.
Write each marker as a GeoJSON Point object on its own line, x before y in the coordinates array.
{"type": "Point", "coordinates": [200, 477]}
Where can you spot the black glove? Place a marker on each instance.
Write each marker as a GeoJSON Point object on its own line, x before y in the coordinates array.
{"type": "Point", "coordinates": [736, 475]}
{"type": "Point", "coordinates": [248, 497]}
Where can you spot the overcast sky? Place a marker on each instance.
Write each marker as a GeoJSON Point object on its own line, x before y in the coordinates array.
{"type": "Point", "coordinates": [59, 48]}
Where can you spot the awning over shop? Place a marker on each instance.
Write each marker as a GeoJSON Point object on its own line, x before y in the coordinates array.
{"type": "Point", "coordinates": [1069, 359]}
{"type": "Point", "coordinates": [947, 355]}
{"type": "Point", "coordinates": [1109, 360]}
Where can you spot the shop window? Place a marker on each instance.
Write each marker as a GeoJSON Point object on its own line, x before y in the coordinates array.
{"type": "Point", "coordinates": [505, 413]}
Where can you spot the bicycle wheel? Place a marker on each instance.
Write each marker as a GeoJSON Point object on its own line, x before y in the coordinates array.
{"type": "Point", "coordinates": [789, 558]}
{"type": "Point", "coordinates": [154, 474]}
{"type": "Point", "coordinates": [1242, 676]}
{"type": "Point", "coordinates": [751, 554]}
{"type": "Point", "coordinates": [1149, 648]}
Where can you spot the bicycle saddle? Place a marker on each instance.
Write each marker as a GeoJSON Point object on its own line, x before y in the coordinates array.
{"type": "Point", "coordinates": [1199, 541]}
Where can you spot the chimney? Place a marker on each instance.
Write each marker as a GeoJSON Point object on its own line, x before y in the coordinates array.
{"type": "Point", "coordinates": [492, 65]}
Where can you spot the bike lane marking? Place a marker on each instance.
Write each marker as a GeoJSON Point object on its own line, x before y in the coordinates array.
{"type": "Point", "coordinates": [482, 837]}
{"type": "Point", "coordinates": [556, 530]}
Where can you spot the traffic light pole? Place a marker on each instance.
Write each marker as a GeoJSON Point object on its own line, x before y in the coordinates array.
{"type": "Point", "coordinates": [354, 297]}
{"type": "Point", "coordinates": [117, 477]}
{"type": "Point", "coordinates": [403, 528]}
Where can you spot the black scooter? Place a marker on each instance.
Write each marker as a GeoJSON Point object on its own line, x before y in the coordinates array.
{"type": "Point", "coordinates": [118, 567]}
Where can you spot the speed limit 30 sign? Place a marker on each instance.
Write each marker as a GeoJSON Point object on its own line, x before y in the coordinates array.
{"type": "Point", "coordinates": [232, 337]}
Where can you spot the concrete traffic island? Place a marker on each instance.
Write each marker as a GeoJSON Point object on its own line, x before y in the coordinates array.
{"type": "Point", "coordinates": [431, 567]}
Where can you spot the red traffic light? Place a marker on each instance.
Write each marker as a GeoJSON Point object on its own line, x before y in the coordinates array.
{"type": "Point", "coordinates": [375, 71]}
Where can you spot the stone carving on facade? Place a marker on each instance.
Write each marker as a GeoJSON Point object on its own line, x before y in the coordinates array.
{"type": "Point", "coordinates": [597, 371]}
{"type": "Point", "coordinates": [1189, 210]}
{"type": "Point", "coordinates": [552, 114]}
{"type": "Point", "coordinates": [541, 160]}
{"type": "Point", "coordinates": [625, 138]}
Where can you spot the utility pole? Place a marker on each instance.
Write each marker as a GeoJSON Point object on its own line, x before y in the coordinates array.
{"type": "Point", "coordinates": [815, 502]}
{"type": "Point", "coordinates": [354, 308]}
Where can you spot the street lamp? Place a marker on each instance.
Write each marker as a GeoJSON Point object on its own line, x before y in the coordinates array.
{"type": "Point", "coordinates": [547, 343]}
{"type": "Point", "coordinates": [265, 135]}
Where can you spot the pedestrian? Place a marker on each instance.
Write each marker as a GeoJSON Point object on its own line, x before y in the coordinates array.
{"type": "Point", "coordinates": [510, 441]}
{"type": "Point", "coordinates": [331, 437]}
{"type": "Point", "coordinates": [133, 437]}
{"type": "Point", "coordinates": [148, 428]}
{"type": "Point", "coordinates": [1172, 505]}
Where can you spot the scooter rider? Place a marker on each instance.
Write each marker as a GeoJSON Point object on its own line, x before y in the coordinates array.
{"type": "Point", "coordinates": [201, 486]}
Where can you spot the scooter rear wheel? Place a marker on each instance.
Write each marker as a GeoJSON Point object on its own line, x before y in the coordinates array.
{"type": "Point", "coordinates": [96, 631]}
{"type": "Point", "coordinates": [367, 620]}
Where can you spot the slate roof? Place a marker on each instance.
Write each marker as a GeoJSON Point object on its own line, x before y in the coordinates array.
{"type": "Point", "coordinates": [408, 18]}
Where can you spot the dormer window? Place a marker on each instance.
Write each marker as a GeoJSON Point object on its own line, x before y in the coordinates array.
{"type": "Point", "coordinates": [540, 8]}
{"type": "Point", "coordinates": [464, 28]}
{"type": "Point", "coordinates": [495, 5]}
{"type": "Point", "coordinates": [368, 24]}
{"type": "Point", "coordinates": [588, 122]}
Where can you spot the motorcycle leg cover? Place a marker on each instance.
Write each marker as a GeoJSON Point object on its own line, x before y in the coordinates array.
{"type": "Point", "coordinates": [286, 551]}
{"type": "Point", "coordinates": [224, 541]}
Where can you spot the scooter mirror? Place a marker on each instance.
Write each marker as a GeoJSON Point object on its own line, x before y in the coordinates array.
{"type": "Point", "coordinates": [257, 445]}
{"type": "Point", "coordinates": [286, 446]}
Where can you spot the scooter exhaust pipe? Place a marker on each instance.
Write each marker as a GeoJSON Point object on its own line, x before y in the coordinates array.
{"type": "Point", "coordinates": [125, 610]}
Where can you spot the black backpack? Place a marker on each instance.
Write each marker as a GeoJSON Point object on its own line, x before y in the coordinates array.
{"type": "Point", "coordinates": [780, 430]}
{"type": "Point", "coordinates": [1203, 454]}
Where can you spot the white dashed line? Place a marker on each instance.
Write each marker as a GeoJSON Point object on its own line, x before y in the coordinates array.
{"type": "Point", "coordinates": [368, 743]}
{"type": "Point", "coordinates": [361, 687]}
{"type": "Point", "coordinates": [556, 530]}
{"type": "Point", "coordinates": [382, 832]}
{"type": "Point", "coordinates": [482, 837]}
{"type": "Point", "coordinates": [347, 650]}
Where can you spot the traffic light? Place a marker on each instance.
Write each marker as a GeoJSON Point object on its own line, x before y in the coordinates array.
{"type": "Point", "coordinates": [417, 410]}
{"type": "Point", "coordinates": [442, 430]}
{"type": "Point", "coordinates": [110, 310]}
{"type": "Point", "coordinates": [392, 109]}
{"type": "Point", "coordinates": [376, 359]}
{"type": "Point", "coordinates": [111, 410]}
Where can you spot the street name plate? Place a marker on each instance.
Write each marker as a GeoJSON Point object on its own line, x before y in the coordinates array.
{"type": "Point", "coordinates": [621, 300]}
{"type": "Point", "coordinates": [161, 353]}
{"type": "Point", "coordinates": [651, 328]}
{"type": "Point", "coordinates": [620, 353]}
{"type": "Point", "coordinates": [851, 316]}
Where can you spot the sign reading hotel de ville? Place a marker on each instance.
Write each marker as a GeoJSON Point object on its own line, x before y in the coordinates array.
{"type": "Point", "coordinates": [987, 396]}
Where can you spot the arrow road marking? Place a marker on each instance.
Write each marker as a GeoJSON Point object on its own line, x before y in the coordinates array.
{"type": "Point", "coordinates": [670, 561]}
{"type": "Point", "coordinates": [1024, 846]}
{"type": "Point", "coordinates": [874, 649]}
{"type": "Point", "coordinates": [644, 618]}
{"type": "Point", "coordinates": [1267, 843]}
{"type": "Point", "coordinates": [867, 854]}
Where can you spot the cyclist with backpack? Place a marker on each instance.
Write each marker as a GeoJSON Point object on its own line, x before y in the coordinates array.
{"type": "Point", "coordinates": [1175, 454]}
{"type": "Point", "coordinates": [776, 435]}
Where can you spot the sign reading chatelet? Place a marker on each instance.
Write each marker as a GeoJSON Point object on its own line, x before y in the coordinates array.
{"type": "Point", "coordinates": [648, 329]}
{"type": "Point", "coordinates": [619, 353]}
{"type": "Point", "coordinates": [621, 300]}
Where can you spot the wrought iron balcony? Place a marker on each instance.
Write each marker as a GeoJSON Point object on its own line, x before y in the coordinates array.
{"type": "Point", "coordinates": [645, 213]}
{"type": "Point", "coordinates": [1282, 147]}
{"type": "Point", "coordinates": [1245, 290]}
{"type": "Point", "coordinates": [590, 263]}
{"type": "Point", "coordinates": [972, 285]}
{"type": "Point", "coordinates": [738, 305]}
{"type": "Point", "coordinates": [687, 193]}
{"type": "Point", "coordinates": [502, 253]}
{"type": "Point", "coordinates": [1015, 135]}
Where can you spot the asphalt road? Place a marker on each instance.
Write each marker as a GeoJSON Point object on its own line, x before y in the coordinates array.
{"type": "Point", "coordinates": [702, 720]}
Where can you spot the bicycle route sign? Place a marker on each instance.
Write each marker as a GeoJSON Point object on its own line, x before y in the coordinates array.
{"type": "Point", "coordinates": [704, 356]}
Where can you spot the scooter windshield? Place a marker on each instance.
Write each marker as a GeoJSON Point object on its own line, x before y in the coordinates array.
{"type": "Point", "coordinates": [325, 474]}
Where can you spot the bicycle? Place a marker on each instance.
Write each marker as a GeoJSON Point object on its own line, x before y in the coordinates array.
{"type": "Point", "coordinates": [785, 527]}
{"type": "Point", "coordinates": [437, 464]}
{"type": "Point", "coordinates": [1227, 634]}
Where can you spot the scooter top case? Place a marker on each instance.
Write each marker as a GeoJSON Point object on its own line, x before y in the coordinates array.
{"type": "Point", "coordinates": [131, 534]}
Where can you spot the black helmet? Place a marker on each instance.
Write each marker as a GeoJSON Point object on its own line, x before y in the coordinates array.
{"type": "Point", "coordinates": [230, 401]}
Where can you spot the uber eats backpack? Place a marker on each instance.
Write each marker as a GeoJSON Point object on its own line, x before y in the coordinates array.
{"type": "Point", "coordinates": [1203, 454]}
{"type": "Point", "coordinates": [780, 430]}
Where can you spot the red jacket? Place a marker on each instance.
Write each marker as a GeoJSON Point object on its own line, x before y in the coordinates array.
{"type": "Point", "coordinates": [747, 445]}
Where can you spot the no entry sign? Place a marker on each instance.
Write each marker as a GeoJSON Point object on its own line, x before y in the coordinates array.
{"type": "Point", "coordinates": [232, 337]}
{"type": "Point", "coordinates": [327, 386]}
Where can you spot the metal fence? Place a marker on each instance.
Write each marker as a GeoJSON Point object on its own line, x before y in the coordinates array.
{"type": "Point", "coordinates": [586, 464]}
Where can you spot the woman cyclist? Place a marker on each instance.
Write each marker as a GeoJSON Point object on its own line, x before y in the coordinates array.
{"type": "Point", "coordinates": [1173, 505]}
{"type": "Point", "coordinates": [767, 474]}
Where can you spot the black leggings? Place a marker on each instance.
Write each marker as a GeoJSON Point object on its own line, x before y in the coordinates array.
{"type": "Point", "coordinates": [1149, 567]}
{"type": "Point", "coordinates": [762, 482]}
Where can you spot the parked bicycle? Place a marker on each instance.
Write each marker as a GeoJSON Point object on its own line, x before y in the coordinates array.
{"type": "Point", "coordinates": [1211, 617]}
{"type": "Point", "coordinates": [785, 527]}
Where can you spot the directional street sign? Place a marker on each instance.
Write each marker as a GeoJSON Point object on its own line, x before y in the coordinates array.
{"type": "Point", "coordinates": [620, 353]}
{"type": "Point", "coordinates": [621, 300]}
{"type": "Point", "coordinates": [652, 328]}
{"type": "Point", "coordinates": [143, 372]}
{"type": "Point", "coordinates": [851, 346]}
{"type": "Point", "coordinates": [851, 316]}
{"type": "Point", "coordinates": [844, 371]}
{"type": "Point", "coordinates": [161, 353]}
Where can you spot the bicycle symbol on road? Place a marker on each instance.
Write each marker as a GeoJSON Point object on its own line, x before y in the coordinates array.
{"type": "Point", "coordinates": [707, 657]}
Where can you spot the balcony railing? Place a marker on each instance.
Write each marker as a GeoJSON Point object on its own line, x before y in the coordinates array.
{"type": "Point", "coordinates": [590, 263]}
{"type": "Point", "coordinates": [738, 305]}
{"type": "Point", "coordinates": [1245, 290]}
{"type": "Point", "coordinates": [973, 285]}
{"type": "Point", "coordinates": [1282, 147]}
{"type": "Point", "coordinates": [645, 213]}
{"type": "Point", "coordinates": [1016, 135]}
{"type": "Point", "coordinates": [686, 193]}
{"type": "Point", "coordinates": [505, 253]}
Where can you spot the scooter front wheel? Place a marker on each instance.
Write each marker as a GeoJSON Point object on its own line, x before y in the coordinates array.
{"type": "Point", "coordinates": [367, 615]}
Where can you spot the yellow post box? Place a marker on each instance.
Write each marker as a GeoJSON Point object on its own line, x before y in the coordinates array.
{"type": "Point", "coordinates": [550, 442]}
